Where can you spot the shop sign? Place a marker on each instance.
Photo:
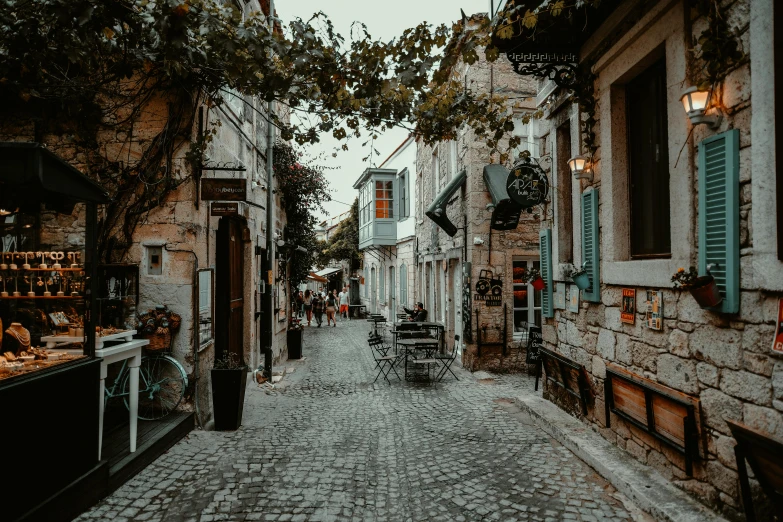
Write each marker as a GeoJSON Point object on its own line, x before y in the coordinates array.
{"type": "Point", "coordinates": [224, 209]}
{"type": "Point", "coordinates": [489, 289]}
{"type": "Point", "coordinates": [628, 310]}
{"type": "Point", "coordinates": [223, 189]}
{"type": "Point", "coordinates": [527, 184]}
{"type": "Point", "coordinates": [777, 344]}
{"type": "Point", "coordinates": [654, 311]}
{"type": "Point", "coordinates": [535, 341]}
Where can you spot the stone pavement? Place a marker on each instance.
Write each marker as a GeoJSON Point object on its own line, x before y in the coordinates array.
{"type": "Point", "coordinates": [328, 444]}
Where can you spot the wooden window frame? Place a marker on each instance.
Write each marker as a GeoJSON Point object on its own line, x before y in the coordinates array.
{"type": "Point", "coordinates": [652, 391]}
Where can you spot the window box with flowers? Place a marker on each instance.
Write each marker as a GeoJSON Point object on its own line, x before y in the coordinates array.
{"type": "Point", "coordinates": [703, 288]}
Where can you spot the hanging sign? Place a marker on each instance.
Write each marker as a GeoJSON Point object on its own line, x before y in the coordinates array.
{"type": "Point", "coordinates": [527, 184]}
{"type": "Point", "coordinates": [535, 341]}
{"type": "Point", "coordinates": [223, 189]}
{"type": "Point", "coordinates": [224, 209]}
{"type": "Point", "coordinates": [628, 310]}
{"type": "Point", "coordinates": [489, 289]}
{"type": "Point", "coordinates": [777, 344]}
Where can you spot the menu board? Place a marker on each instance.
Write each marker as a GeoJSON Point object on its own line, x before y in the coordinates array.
{"type": "Point", "coordinates": [535, 341]}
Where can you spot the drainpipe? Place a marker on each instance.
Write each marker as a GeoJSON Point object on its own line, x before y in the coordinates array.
{"type": "Point", "coordinates": [267, 324]}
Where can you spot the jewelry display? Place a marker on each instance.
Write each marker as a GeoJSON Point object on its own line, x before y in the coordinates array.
{"type": "Point", "coordinates": [3, 265]}
{"type": "Point", "coordinates": [74, 257]}
{"type": "Point", "coordinates": [26, 265]}
{"type": "Point", "coordinates": [57, 257]}
{"type": "Point", "coordinates": [12, 266]}
{"type": "Point", "coordinates": [31, 293]}
{"type": "Point", "coordinates": [47, 293]}
{"type": "Point", "coordinates": [16, 339]}
{"type": "Point", "coordinates": [60, 279]}
{"type": "Point", "coordinates": [4, 293]}
{"type": "Point", "coordinates": [43, 256]}
{"type": "Point", "coordinates": [16, 287]}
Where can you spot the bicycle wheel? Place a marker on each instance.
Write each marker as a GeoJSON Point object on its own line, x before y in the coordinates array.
{"type": "Point", "coordinates": [162, 383]}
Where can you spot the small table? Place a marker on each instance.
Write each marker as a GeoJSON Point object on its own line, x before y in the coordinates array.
{"type": "Point", "coordinates": [360, 308]}
{"type": "Point", "coordinates": [130, 351]}
{"type": "Point", "coordinates": [428, 345]}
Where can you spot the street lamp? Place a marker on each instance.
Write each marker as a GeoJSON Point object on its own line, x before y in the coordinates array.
{"type": "Point", "coordinates": [696, 101]}
{"type": "Point", "coordinates": [581, 167]}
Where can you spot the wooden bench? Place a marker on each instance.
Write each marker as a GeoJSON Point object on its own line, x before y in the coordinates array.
{"type": "Point", "coordinates": [764, 453]}
{"type": "Point", "coordinates": [668, 415]}
{"type": "Point", "coordinates": [565, 373]}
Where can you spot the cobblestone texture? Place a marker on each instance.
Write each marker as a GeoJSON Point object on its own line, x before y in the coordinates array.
{"type": "Point", "coordinates": [330, 445]}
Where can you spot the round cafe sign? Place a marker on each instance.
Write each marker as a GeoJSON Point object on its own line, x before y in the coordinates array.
{"type": "Point", "coordinates": [527, 184]}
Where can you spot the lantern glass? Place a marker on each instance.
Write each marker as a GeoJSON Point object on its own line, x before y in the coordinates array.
{"type": "Point", "coordinates": [577, 164]}
{"type": "Point", "coordinates": [695, 101]}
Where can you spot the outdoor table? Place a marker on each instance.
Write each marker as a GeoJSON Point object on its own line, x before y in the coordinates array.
{"type": "Point", "coordinates": [411, 346]}
{"type": "Point", "coordinates": [375, 319]}
{"type": "Point", "coordinates": [359, 308]}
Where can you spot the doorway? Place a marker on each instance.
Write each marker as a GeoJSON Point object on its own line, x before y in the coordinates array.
{"type": "Point", "coordinates": [392, 293]}
{"type": "Point", "coordinates": [373, 294]}
{"type": "Point", "coordinates": [229, 290]}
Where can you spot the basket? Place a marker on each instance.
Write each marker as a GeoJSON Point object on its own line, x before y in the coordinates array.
{"type": "Point", "coordinates": [158, 342]}
{"type": "Point", "coordinates": [174, 321]}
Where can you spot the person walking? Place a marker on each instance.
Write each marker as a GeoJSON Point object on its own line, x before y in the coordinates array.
{"type": "Point", "coordinates": [331, 308]}
{"type": "Point", "coordinates": [318, 309]}
{"type": "Point", "coordinates": [343, 297]}
{"type": "Point", "coordinates": [300, 303]}
{"type": "Point", "coordinates": [308, 305]}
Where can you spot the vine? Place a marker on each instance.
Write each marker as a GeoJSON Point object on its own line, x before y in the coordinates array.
{"type": "Point", "coordinates": [718, 47]}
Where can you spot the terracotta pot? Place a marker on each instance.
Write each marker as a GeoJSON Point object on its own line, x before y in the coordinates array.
{"type": "Point", "coordinates": [582, 281]}
{"type": "Point", "coordinates": [538, 284]}
{"type": "Point", "coordinates": [706, 292]}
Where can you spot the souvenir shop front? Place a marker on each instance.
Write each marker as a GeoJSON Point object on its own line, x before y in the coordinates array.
{"type": "Point", "coordinates": [49, 397]}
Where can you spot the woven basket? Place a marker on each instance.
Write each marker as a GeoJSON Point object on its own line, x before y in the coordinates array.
{"type": "Point", "coordinates": [174, 321]}
{"type": "Point", "coordinates": [158, 342]}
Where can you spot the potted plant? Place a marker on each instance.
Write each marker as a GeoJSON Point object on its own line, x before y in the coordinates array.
{"type": "Point", "coordinates": [533, 277]}
{"type": "Point", "coordinates": [158, 325]}
{"type": "Point", "coordinates": [703, 288]}
{"type": "Point", "coordinates": [229, 378]}
{"type": "Point", "coordinates": [294, 339]}
{"type": "Point", "coordinates": [578, 276]}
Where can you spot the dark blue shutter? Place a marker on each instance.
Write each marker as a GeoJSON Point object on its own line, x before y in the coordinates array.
{"type": "Point", "coordinates": [719, 215]}
{"type": "Point", "coordinates": [591, 245]}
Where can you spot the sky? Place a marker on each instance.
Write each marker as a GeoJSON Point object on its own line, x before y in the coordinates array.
{"type": "Point", "coordinates": [385, 20]}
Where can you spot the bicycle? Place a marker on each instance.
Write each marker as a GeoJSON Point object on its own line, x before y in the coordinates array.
{"type": "Point", "coordinates": [162, 384]}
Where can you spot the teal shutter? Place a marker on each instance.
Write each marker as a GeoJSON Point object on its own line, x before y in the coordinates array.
{"type": "Point", "coordinates": [545, 249]}
{"type": "Point", "coordinates": [591, 245]}
{"type": "Point", "coordinates": [719, 215]}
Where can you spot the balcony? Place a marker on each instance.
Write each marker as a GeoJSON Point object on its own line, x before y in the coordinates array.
{"type": "Point", "coordinates": [378, 208]}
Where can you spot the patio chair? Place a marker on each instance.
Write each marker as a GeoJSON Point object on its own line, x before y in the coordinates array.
{"type": "Point", "coordinates": [447, 360]}
{"type": "Point", "coordinates": [385, 364]}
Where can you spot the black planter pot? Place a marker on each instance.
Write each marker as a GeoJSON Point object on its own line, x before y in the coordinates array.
{"type": "Point", "coordinates": [294, 340]}
{"type": "Point", "coordinates": [228, 398]}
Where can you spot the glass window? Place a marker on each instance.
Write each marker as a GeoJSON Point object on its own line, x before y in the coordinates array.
{"type": "Point", "coordinates": [648, 162]}
{"type": "Point", "coordinates": [526, 301]}
{"type": "Point", "coordinates": [382, 284]}
{"type": "Point", "coordinates": [384, 199]}
{"type": "Point", "coordinates": [205, 332]}
{"type": "Point", "coordinates": [404, 285]}
{"type": "Point", "coordinates": [402, 183]}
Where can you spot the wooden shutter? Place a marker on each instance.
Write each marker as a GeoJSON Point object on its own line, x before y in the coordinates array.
{"type": "Point", "coordinates": [719, 215]}
{"type": "Point", "coordinates": [591, 245]}
{"type": "Point", "coordinates": [545, 248]}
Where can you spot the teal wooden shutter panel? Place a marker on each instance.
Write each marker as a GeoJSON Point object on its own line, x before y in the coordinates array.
{"type": "Point", "coordinates": [719, 215]}
{"type": "Point", "coordinates": [545, 249]}
{"type": "Point", "coordinates": [591, 245]}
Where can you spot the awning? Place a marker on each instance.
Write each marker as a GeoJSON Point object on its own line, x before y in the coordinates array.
{"type": "Point", "coordinates": [506, 214]}
{"type": "Point", "coordinates": [437, 209]}
{"type": "Point", "coordinates": [30, 173]}
{"type": "Point", "coordinates": [326, 272]}
{"type": "Point", "coordinates": [316, 278]}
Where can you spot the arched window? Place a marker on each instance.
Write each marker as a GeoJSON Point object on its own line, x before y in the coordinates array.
{"type": "Point", "coordinates": [403, 286]}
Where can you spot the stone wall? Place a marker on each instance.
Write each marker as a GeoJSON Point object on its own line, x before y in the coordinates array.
{"type": "Point", "coordinates": [724, 360]}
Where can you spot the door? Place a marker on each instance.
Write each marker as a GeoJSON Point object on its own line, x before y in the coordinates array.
{"type": "Point", "coordinates": [229, 291]}
{"type": "Point", "coordinates": [456, 304]}
{"type": "Point", "coordinates": [373, 292]}
{"type": "Point", "coordinates": [392, 293]}
{"type": "Point", "coordinates": [526, 301]}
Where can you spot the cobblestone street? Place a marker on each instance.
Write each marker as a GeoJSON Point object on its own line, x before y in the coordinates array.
{"type": "Point", "coordinates": [327, 444]}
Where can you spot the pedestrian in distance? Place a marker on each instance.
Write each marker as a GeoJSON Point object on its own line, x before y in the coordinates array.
{"type": "Point", "coordinates": [308, 305]}
{"type": "Point", "coordinates": [300, 303]}
{"type": "Point", "coordinates": [331, 308]}
{"type": "Point", "coordinates": [318, 309]}
{"type": "Point", "coordinates": [343, 297]}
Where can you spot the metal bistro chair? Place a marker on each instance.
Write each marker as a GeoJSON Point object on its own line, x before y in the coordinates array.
{"type": "Point", "coordinates": [447, 360]}
{"type": "Point", "coordinates": [383, 361]}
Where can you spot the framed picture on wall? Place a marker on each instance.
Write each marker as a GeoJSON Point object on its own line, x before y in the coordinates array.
{"type": "Point", "coordinates": [559, 300]}
{"type": "Point", "coordinates": [654, 311]}
{"type": "Point", "coordinates": [572, 298]}
{"type": "Point", "coordinates": [628, 309]}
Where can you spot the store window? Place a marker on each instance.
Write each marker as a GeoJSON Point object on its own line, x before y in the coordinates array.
{"type": "Point", "coordinates": [648, 163]}
{"type": "Point", "coordinates": [526, 301]}
{"type": "Point", "coordinates": [205, 306]}
{"type": "Point", "coordinates": [384, 199]}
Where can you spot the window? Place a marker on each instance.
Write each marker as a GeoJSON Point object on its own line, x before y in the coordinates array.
{"type": "Point", "coordinates": [382, 284]}
{"type": "Point", "coordinates": [402, 183]}
{"type": "Point", "coordinates": [565, 220]}
{"type": "Point", "coordinates": [419, 196]}
{"type": "Point", "coordinates": [435, 175]}
{"type": "Point", "coordinates": [451, 167]}
{"type": "Point", "coordinates": [527, 302]}
{"type": "Point", "coordinates": [365, 201]}
{"type": "Point", "coordinates": [384, 199]}
{"type": "Point", "coordinates": [648, 162]}
{"type": "Point", "coordinates": [205, 332]}
{"type": "Point", "coordinates": [404, 285]}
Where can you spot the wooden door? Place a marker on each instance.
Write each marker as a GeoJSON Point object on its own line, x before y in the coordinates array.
{"type": "Point", "coordinates": [229, 289]}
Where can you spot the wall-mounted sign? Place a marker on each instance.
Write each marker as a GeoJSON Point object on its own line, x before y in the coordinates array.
{"type": "Point", "coordinates": [654, 312]}
{"type": "Point", "coordinates": [223, 189]}
{"type": "Point", "coordinates": [224, 209]}
{"type": "Point", "coordinates": [505, 216]}
{"type": "Point", "coordinates": [777, 343]}
{"type": "Point", "coordinates": [628, 310]}
{"type": "Point", "coordinates": [572, 298]}
{"type": "Point", "coordinates": [489, 289]}
{"type": "Point", "coordinates": [558, 300]}
{"type": "Point", "coordinates": [535, 341]}
{"type": "Point", "coordinates": [527, 184]}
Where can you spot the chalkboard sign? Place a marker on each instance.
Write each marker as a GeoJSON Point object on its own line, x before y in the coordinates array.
{"type": "Point", "coordinates": [535, 341]}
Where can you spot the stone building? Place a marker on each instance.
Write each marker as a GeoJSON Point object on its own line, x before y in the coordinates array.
{"type": "Point", "coordinates": [663, 192]}
{"type": "Point", "coordinates": [451, 185]}
{"type": "Point", "coordinates": [386, 232]}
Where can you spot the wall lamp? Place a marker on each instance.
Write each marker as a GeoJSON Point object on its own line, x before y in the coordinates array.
{"type": "Point", "coordinates": [696, 102]}
{"type": "Point", "coordinates": [7, 211]}
{"type": "Point", "coordinates": [581, 167]}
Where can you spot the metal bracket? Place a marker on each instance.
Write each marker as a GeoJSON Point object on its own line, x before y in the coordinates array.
{"type": "Point", "coordinates": [561, 68]}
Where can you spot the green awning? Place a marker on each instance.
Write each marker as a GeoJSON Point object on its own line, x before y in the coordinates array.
{"type": "Point", "coordinates": [437, 210]}
{"type": "Point", "coordinates": [506, 214]}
